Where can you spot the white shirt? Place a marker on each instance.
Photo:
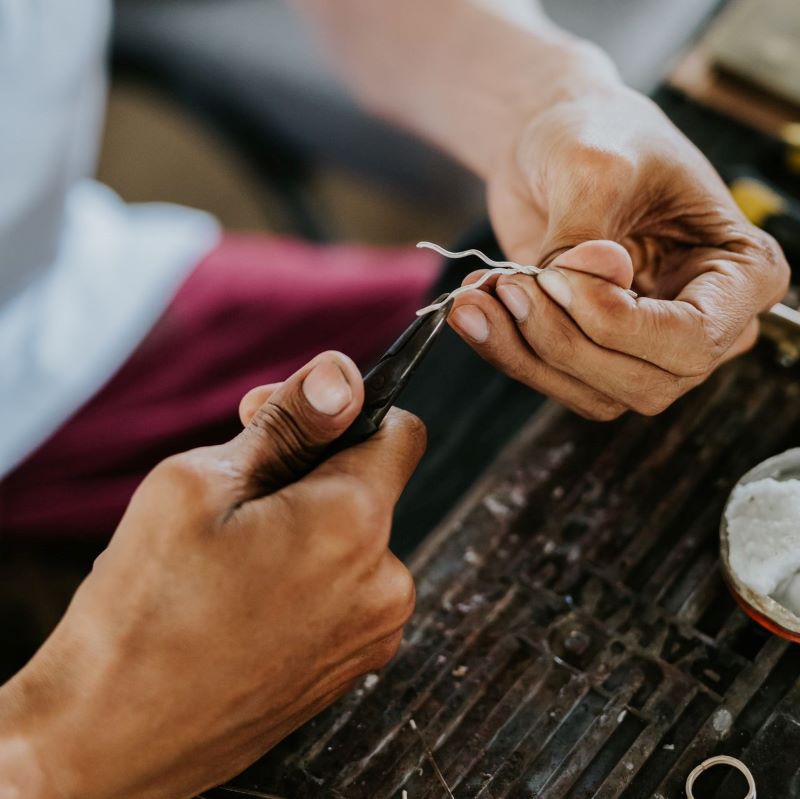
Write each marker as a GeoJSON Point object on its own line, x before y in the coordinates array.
{"type": "Point", "coordinates": [83, 276]}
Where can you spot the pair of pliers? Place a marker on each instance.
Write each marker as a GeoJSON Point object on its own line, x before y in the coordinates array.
{"type": "Point", "coordinates": [384, 382]}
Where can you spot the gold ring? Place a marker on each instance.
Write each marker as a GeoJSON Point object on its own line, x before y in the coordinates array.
{"type": "Point", "coordinates": [722, 760]}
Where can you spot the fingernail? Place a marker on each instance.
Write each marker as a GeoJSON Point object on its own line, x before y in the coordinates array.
{"type": "Point", "coordinates": [472, 322]}
{"type": "Point", "coordinates": [515, 299]}
{"type": "Point", "coordinates": [326, 388]}
{"type": "Point", "coordinates": [556, 285]}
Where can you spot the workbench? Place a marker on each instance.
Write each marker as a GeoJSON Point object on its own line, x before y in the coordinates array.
{"type": "Point", "coordinates": [573, 636]}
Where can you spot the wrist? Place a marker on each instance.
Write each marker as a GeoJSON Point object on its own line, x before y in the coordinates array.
{"type": "Point", "coordinates": [21, 776]}
{"type": "Point", "coordinates": [542, 75]}
{"type": "Point", "coordinates": [574, 70]}
{"type": "Point", "coordinates": [491, 78]}
{"type": "Point", "coordinates": [22, 773]}
{"type": "Point", "coordinates": [464, 74]}
{"type": "Point", "coordinates": [43, 735]}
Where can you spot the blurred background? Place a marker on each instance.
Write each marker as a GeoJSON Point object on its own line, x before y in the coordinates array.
{"type": "Point", "coordinates": [229, 106]}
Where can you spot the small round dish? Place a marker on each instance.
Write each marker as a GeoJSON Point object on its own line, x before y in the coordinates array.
{"type": "Point", "coordinates": [761, 608]}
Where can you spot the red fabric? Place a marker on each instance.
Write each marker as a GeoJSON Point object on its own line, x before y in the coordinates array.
{"type": "Point", "coordinates": [254, 311]}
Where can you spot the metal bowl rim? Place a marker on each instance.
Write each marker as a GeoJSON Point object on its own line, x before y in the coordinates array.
{"type": "Point", "coordinates": [759, 606]}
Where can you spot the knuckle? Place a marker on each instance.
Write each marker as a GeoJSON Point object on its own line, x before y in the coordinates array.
{"type": "Point", "coordinates": [700, 364]}
{"type": "Point", "coordinates": [369, 518]}
{"type": "Point", "coordinates": [607, 323]}
{"type": "Point", "coordinates": [351, 495]}
{"type": "Point", "coordinates": [767, 248]}
{"type": "Point", "coordinates": [392, 596]}
{"type": "Point", "coordinates": [766, 257]}
{"type": "Point", "coordinates": [185, 482]}
{"type": "Point", "coordinates": [751, 335]}
{"type": "Point", "coordinates": [649, 406]}
{"type": "Point", "coordinates": [293, 450]}
{"type": "Point", "coordinates": [365, 506]}
{"type": "Point", "coordinates": [777, 265]}
{"type": "Point", "coordinates": [385, 650]}
{"type": "Point", "coordinates": [527, 366]}
{"type": "Point", "coordinates": [717, 343]}
{"type": "Point", "coordinates": [402, 597]}
{"type": "Point", "coordinates": [655, 396]}
{"type": "Point", "coordinates": [713, 341]}
{"type": "Point", "coordinates": [605, 411]}
{"type": "Point", "coordinates": [557, 347]}
{"type": "Point", "coordinates": [414, 430]}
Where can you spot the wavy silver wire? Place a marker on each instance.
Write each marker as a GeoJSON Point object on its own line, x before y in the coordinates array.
{"type": "Point", "coordinates": [498, 268]}
{"type": "Point", "coordinates": [429, 245]}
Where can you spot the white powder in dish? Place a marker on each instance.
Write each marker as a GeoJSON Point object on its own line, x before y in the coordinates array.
{"type": "Point", "coordinates": [788, 594]}
{"type": "Point", "coordinates": [764, 536]}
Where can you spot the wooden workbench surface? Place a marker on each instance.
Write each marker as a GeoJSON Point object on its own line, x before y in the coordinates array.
{"type": "Point", "coordinates": [573, 636]}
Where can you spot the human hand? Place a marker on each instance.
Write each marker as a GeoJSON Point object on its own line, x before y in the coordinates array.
{"type": "Point", "coordinates": [234, 602]}
{"type": "Point", "coordinates": [607, 190]}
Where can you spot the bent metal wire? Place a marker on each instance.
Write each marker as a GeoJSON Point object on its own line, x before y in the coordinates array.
{"type": "Point", "coordinates": [722, 760]}
{"type": "Point", "coordinates": [498, 268]}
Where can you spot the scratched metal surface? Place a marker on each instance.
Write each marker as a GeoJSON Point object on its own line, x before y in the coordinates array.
{"type": "Point", "coordinates": [573, 637]}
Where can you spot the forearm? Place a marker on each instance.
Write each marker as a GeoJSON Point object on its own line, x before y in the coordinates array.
{"type": "Point", "coordinates": [461, 73]}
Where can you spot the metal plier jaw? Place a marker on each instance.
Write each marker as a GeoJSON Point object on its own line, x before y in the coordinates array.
{"type": "Point", "coordinates": [384, 382]}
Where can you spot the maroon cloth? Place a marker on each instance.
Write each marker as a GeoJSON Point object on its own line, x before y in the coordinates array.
{"type": "Point", "coordinates": [252, 312]}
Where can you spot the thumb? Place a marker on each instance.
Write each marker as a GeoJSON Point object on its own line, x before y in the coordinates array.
{"type": "Point", "coordinates": [286, 436]}
{"type": "Point", "coordinates": [602, 258]}
{"type": "Point", "coordinates": [586, 281]}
